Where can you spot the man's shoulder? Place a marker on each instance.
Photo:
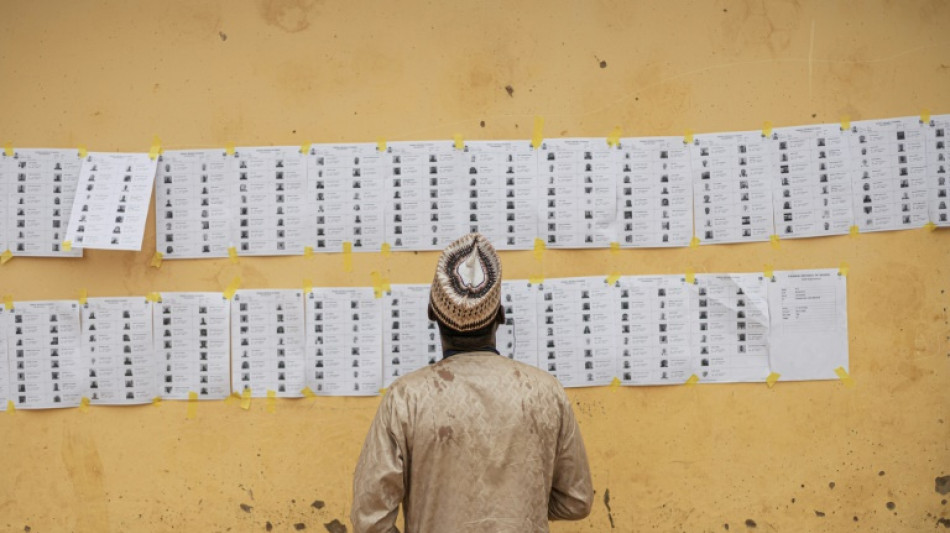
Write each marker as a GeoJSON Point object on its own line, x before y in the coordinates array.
{"type": "Point", "coordinates": [480, 364]}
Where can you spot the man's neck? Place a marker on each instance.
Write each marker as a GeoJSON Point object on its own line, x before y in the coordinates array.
{"type": "Point", "coordinates": [450, 348]}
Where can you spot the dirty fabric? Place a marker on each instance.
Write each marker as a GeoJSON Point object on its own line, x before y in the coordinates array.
{"type": "Point", "coordinates": [476, 442]}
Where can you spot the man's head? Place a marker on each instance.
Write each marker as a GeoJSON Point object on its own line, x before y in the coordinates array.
{"type": "Point", "coordinates": [465, 298]}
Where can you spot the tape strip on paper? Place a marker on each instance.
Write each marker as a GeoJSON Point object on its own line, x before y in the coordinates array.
{"type": "Point", "coordinates": [232, 288]}
{"type": "Point", "coordinates": [271, 404]}
{"type": "Point", "coordinates": [192, 412]}
{"type": "Point", "coordinates": [844, 376]}
{"type": "Point", "coordinates": [347, 256]}
{"type": "Point", "coordinates": [537, 134]}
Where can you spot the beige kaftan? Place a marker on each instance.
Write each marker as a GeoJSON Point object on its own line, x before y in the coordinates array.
{"type": "Point", "coordinates": [476, 442]}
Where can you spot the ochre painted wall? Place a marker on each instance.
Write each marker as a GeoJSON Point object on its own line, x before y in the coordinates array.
{"type": "Point", "coordinates": [203, 73]}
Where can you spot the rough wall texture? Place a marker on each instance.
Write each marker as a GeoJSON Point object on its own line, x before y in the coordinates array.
{"type": "Point", "coordinates": [799, 457]}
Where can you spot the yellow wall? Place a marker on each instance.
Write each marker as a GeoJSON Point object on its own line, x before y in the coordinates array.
{"type": "Point", "coordinates": [203, 73]}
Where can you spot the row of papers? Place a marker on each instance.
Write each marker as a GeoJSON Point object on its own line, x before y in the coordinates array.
{"type": "Point", "coordinates": [807, 181]}
{"type": "Point", "coordinates": [586, 331]}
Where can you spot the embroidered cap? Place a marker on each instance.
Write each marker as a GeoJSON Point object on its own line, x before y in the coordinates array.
{"type": "Point", "coordinates": [466, 290]}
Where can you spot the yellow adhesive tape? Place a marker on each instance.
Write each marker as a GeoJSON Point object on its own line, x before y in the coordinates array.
{"type": "Point", "coordinates": [271, 404]}
{"type": "Point", "coordinates": [229, 149]}
{"type": "Point", "coordinates": [154, 297]}
{"type": "Point", "coordinates": [536, 279]}
{"type": "Point", "coordinates": [459, 143]}
{"type": "Point", "coordinates": [192, 411]}
{"type": "Point", "coordinates": [67, 246]}
{"type": "Point", "coordinates": [308, 251]}
{"type": "Point", "coordinates": [377, 284]}
{"type": "Point", "coordinates": [694, 242]}
{"type": "Point", "coordinates": [385, 249]}
{"type": "Point", "coordinates": [82, 151]}
{"type": "Point", "coordinates": [844, 376]}
{"type": "Point", "coordinates": [11, 407]}
{"type": "Point", "coordinates": [693, 379]}
{"type": "Point", "coordinates": [307, 286]}
{"type": "Point", "coordinates": [157, 401]}
{"type": "Point", "coordinates": [930, 226]}
{"type": "Point", "coordinates": [246, 399]}
{"type": "Point", "coordinates": [155, 149]}
{"type": "Point", "coordinates": [347, 256]}
{"type": "Point", "coordinates": [924, 116]}
{"type": "Point", "coordinates": [769, 271]}
{"type": "Point", "coordinates": [772, 378]}
{"type": "Point", "coordinates": [539, 247]}
{"type": "Point", "coordinates": [690, 276]}
{"type": "Point", "coordinates": [232, 253]}
{"type": "Point", "coordinates": [83, 295]}
{"type": "Point", "coordinates": [688, 137]}
{"type": "Point", "coordinates": [307, 393]}
{"type": "Point", "coordinates": [305, 147]}
{"type": "Point", "coordinates": [854, 231]}
{"type": "Point", "coordinates": [8, 302]}
{"type": "Point", "coordinates": [231, 398]}
{"type": "Point", "coordinates": [5, 257]}
{"type": "Point", "coordinates": [612, 278]}
{"type": "Point", "coordinates": [156, 260]}
{"type": "Point", "coordinates": [767, 128]}
{"type": "Point", "coordinates": [615, 384]}
{"type": "Point", "coordinates": [614, 247]}
{"type": "Point", "coordinates": [845, 122]}
{"type": "Point", "coordinates": [538, 134]}
{"type": "Point", "coordinates": [8, 149]}
{"type": "Point", "coordinates": [232, 288]}
{"type": "Point", "coordinates": [381, 144]}
{"type": "Point", "coordinates": [614, 138]}
{"type": "Point", "coordinates": [774, 239]}
{"type": "Point", "coordinates": [84, 404]}
{"type": "Point", "coordinates": [843, 269]}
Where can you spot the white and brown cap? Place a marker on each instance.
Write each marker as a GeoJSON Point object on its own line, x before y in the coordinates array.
{"type": "Point", "coordinates": [466, 291]}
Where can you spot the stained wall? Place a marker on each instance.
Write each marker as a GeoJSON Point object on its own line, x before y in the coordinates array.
{"type": "Point", "coordinates": [205, 73]}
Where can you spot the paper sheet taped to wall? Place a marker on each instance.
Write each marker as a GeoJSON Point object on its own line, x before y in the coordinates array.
{"type": "Point", "coordinates": [112, 199]}
{"type": "Point", "coordinates": [37, 190]}
{"type": "Point", "coordinates": [809, 318]}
